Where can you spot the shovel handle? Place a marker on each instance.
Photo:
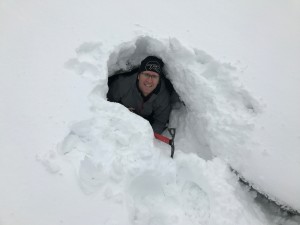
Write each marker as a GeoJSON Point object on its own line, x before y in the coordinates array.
{"type": "Point", "coordinates": [162, 138]}
{"type": "Point", "coordinates": [166, 140]}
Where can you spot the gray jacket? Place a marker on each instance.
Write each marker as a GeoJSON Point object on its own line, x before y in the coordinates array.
{"type": "Point", "coordinates": [156, 108]}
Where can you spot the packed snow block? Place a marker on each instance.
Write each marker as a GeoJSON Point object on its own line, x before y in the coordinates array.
{"type": "Point", "coordinates": [102, 148]}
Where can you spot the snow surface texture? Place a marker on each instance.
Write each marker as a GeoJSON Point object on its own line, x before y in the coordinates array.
{"type": "Point", "coordinates": [40, 99]}
{"type": "Point", "coordinates": [115, 152]}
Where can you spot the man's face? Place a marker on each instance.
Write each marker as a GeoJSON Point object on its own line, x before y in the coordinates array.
{"type": "Point", "coordinates": [148, 81]}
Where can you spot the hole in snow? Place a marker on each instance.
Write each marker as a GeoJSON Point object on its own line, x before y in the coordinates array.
{"type": "Point", "coordinates": [217, 112]}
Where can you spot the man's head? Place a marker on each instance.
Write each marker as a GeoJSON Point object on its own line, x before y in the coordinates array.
{"type": "Point", "coordinates": [150, 73]}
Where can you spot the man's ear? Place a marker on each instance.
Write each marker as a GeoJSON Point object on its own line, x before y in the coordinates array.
{"type": "Point", "coordinates": [138, 77]}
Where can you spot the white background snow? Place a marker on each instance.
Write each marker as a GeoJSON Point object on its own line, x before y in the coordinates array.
{"type": "Point", "coordinates": [70, 157]}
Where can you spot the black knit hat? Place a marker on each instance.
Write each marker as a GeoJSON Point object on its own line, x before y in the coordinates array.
{"type": "Point", "coordinates": [152, 63]}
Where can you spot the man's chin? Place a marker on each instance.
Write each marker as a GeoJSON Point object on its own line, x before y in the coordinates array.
{"type": "Point", "coordinates": [148, 90]}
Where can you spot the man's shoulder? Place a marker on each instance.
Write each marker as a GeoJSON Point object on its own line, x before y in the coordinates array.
{"type": "Point", "coordinates": [164, 89]}
{"type": "Point", "coordinates": [170, 94]}
{"type": "Point", "coordinates": [122, 83]}
{"type": "Point", "coordinates": [163, 96]}
{"type": "Point", "coordinates": [122, 76]}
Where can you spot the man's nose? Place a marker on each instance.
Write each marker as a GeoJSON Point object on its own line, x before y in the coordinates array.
{"type": "Point", "coordinates": [150, 78]}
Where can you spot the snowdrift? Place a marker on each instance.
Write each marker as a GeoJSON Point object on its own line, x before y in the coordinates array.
{"type": "Point", "coordinates": [116, 154]}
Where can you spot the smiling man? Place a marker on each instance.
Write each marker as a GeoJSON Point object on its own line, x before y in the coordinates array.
{"type": "Point", "coordinates": [144, 93]}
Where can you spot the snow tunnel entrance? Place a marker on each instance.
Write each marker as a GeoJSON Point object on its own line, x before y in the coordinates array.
{"type": "Point", "coordinates": [127, 57]}
{"type": "Point", "coordinates": [215, 106]}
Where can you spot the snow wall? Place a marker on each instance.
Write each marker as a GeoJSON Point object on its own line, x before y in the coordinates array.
{"type": "Point", "coordinates": [115, 151]}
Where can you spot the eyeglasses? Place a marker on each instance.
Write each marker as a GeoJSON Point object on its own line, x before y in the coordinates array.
{"type": "Point", "coordinates": [153, 77]}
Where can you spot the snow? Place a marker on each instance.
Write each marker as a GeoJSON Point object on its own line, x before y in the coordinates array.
{"type": "Point", "coordinates": [70, 157]}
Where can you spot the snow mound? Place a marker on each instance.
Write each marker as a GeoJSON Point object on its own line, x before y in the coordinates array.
{"type": "Point", "coordinates": [115, 154]}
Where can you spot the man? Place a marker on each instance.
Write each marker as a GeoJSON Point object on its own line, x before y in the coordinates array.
{"type": "Point", "coordinates": [144, 93]}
